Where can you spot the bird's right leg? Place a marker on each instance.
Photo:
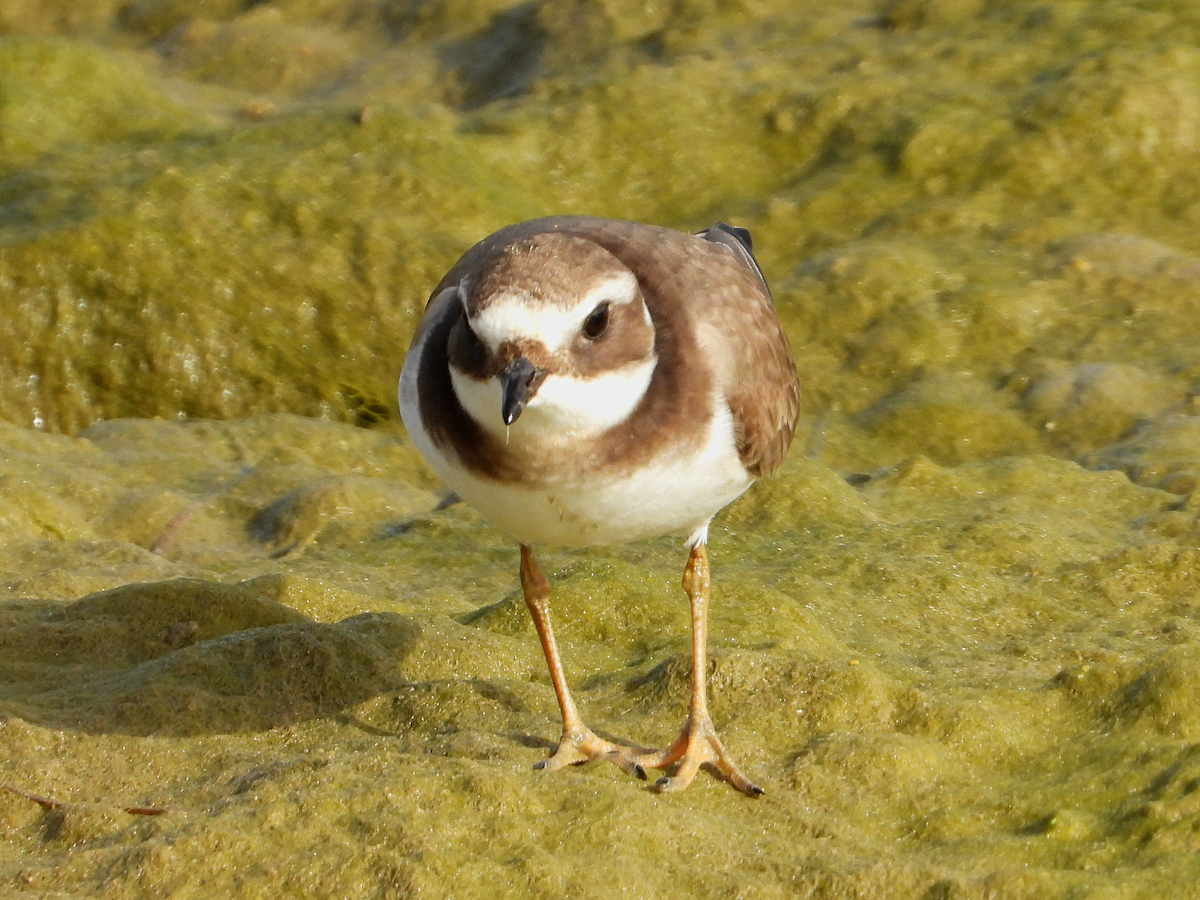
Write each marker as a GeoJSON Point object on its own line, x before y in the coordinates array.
{"type": "Point", "coordinates": [579, 744]}
{"type": "Point", "coordinates": [698, 744]}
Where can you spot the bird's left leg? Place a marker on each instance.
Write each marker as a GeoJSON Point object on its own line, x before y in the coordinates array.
{"type": "Point", "coordinates": [578, 744]}
{"type": "Point", "coordinates": [698, 744]}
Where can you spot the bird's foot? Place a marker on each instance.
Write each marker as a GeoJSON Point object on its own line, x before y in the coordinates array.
{"type": "Point", "coordinates": [698, 745]}
{"type": "Point", "coordinates": [581, 745]}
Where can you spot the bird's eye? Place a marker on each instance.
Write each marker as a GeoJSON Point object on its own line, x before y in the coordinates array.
{"type": "Point", "coordinates": [596, 323]}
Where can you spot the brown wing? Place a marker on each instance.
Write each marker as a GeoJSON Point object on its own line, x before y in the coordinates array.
{"type": "Point", "coordinates": [760, 383]}
{"type": "Point", "coordinates": [763, 394]}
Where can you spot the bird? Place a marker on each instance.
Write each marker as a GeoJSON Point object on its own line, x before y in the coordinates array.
{"type": "Point", "coordinates": [586, 382]}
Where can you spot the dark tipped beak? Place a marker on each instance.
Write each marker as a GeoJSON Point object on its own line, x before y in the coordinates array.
{"type": "Point", "coordinates": [521, 380]}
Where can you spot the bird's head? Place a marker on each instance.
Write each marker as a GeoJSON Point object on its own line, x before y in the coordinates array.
{"type": "Point", "coordinates": [554, 341]}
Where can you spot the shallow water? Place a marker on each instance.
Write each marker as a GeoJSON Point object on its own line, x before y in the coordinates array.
{"type": "Point", "coordinates": [251, 652]}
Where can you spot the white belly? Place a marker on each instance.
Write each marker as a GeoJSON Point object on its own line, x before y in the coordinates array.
{"type": "Point", "coordinates": [678, 493]}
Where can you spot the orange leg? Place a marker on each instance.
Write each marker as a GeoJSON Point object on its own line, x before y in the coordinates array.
{"type": "Point", "coordinates": [579, 744]}
{"type": "Point", "coordinates": [698, 743]}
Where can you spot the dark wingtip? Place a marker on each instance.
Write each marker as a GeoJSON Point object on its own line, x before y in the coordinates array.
{"type": "Point", "coordinates": [742, 235]}
{"type": "Point", "coordinates": [739, 241]}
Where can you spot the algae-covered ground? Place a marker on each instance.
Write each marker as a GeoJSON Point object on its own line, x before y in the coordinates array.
{"type": "Point", "coordinates": [249, 649]}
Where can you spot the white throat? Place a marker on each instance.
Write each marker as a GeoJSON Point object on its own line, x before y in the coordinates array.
{"type": "Point", "coordinates": [565, 408]}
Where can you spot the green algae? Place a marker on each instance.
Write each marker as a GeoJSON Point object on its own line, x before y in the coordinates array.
{"type": "Point", "coordinates": [938, 147]}
{"type": "Point", "coordinates": [60, 94]}
{"type": "Point", "coordinates": [955, 635]}
{"type": "Point", "coordinates": [979, 676]}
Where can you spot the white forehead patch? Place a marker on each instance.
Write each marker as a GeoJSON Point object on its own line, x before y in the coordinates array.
{"type": "Point", "coordinates": [515, 316]}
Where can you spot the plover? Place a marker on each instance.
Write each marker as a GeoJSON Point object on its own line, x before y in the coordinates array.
{"type": "Point", "coordinates": [584, 382]}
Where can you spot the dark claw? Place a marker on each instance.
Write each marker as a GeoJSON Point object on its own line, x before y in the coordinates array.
{"type": "Point", "coordinates": [756, 790]}
{"type": "Point", "coordinates": [662, 782]}
{"type": "Point", "coordinates": [639, 772]}
{"type": "Point", "coordinates": [540, 765]}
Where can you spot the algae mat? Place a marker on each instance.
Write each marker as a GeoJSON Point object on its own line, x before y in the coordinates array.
{"type": "Point", "coordinates": [249, 653]}
{"type": "Point", "coordinates": [979, 680]}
